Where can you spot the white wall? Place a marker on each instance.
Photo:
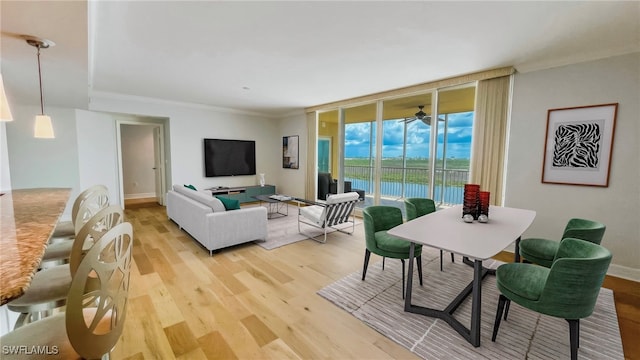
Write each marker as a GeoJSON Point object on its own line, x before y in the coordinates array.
{"type": "Point", "coordinates": [612, 80]}
{"type": "Point", "coordinates": [97, 153]}
{"type": "Point", "coordinates": [5, 171]}
{"type": "Point", "coordinates": [292, 181]}
{"type": "Point", "coordinates": [190, 124]}
{"type": "Point", "coordinates": [43, 162]}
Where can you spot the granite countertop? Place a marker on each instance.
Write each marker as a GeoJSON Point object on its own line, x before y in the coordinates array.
{"type": "Point", "coordinates": [27, 220]}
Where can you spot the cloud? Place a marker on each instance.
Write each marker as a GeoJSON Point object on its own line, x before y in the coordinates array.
{"type": "Point", "coordinates": [460, 130]}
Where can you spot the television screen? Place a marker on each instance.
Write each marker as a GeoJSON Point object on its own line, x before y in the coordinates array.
{"type": "Point", "coordinates": [229, 157]}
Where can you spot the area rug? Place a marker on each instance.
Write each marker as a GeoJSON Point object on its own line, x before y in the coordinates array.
{"type": "Point", "coordinates": [525, 335]}
{"type": "Point", "coordinates": [283, 230]}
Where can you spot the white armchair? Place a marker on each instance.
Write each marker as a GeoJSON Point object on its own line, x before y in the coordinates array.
{"type": "Point", "coordinates": [337, 210]}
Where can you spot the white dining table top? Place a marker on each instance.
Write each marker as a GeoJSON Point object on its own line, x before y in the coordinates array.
{"type": "Point", "coordinates": [445, 230]}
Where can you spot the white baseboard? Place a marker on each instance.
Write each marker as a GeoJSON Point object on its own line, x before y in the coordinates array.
{"type": "Point", "coordinates": [139, 196]}
{"type": "Point", "coordinates": [624, 272]}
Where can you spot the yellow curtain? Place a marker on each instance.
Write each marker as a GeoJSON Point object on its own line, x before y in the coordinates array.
{"type": "Point", "coordinates": [312, 134]}
{"type": "Point", "coordinates": [490, 136]}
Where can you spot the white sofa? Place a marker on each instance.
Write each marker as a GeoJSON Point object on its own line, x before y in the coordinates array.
{"type": "Point", "coordinates": [206, 220]}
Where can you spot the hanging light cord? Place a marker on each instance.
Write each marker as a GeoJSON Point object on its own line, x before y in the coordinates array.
{"type": "Point", "coordinates": [40, 79]}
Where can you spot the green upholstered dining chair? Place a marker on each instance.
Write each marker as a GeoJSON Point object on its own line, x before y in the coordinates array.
{"type": "Point", "coordinates": [377, 221]}
{"type": "Point", "coordinates": [542, 251]}
{"type": "Point", "coordinates": [417, 207]}
{"type": "Point", "coordinates": [568, 290]}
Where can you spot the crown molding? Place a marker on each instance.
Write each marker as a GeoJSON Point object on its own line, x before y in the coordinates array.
{"type": "Point", "coordinates": [95, 95]}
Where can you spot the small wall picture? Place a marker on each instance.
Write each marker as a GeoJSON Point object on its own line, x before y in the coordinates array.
{"type": "Point", "coordinates": [290, 152]}
{"type": "Point", "coordinates": [579, 144]}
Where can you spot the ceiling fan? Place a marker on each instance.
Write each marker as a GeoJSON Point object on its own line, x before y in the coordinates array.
{"type": "Point", "coordinates": [420, 115]}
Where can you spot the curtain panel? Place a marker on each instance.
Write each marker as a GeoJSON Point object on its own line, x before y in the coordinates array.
{"type": "Point", "coordinates": [312, 135]}
{"type": "Point", "coordinates": [490, 136]}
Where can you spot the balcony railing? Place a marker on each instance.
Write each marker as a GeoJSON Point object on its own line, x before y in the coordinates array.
{"type": "Point", "coordinates": [400, 182]}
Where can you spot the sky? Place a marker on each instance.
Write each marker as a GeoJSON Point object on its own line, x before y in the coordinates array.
{"type": "Point", "coordinates": [418, 134]}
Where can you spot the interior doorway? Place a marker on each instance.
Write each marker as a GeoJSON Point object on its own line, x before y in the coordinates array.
{"type": "Point", "coordinates": [142, 162]}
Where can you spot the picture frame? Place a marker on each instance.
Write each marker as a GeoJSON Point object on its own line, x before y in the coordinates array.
{"type": "Point", "coordinates": [290, 152]}
{"type": "Point", "coordinates": [578, 145]}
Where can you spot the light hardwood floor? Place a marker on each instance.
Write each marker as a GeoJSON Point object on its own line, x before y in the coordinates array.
{"type": "Point", "coordinates": [249, 303]}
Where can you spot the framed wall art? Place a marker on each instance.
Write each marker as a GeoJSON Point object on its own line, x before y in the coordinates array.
{"type": "Point", "coordinates": [578, 145]}
{"type": "Point", "coordinates": [290, 152]}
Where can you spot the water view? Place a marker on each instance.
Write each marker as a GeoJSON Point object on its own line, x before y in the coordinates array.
{"type": "Point", "coordinates": [405, 156]}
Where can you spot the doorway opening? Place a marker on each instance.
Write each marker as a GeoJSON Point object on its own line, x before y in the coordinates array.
{"type": "Point", "coordinates": [142, 162]}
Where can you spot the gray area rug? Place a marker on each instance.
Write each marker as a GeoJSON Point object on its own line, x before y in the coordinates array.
{"type": "Point", "coordinates": [283, 230]}
{"type": "Point", "coordinates": [525, 335]}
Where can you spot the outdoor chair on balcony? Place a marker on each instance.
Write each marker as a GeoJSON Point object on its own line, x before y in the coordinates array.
{"type": "Point", "coordinates": [337, 210]}
{"type": "Point", "coordinates": [417, 207]}
{"type": "Point", "coordinates": [327, 186]}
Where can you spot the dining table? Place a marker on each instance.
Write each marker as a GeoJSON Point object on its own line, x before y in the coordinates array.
{"type": "Point", "coordinates": [27, 220]}
{"type": "Point", "coordinates": [446, 230]}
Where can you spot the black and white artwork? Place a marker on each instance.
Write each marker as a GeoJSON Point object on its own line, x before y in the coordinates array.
{"type": "Point", "coordinates": [578, 145]}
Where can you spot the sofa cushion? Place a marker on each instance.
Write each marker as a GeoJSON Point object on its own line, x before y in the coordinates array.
{"type": "Point", "coordinates": [199, 196]}
{"type": "Point", "coordinates": [217, 206]}
{"type": "Point", "coordinates": [314, 213]}
{"type": "Point", "coordinates": [229, 204]}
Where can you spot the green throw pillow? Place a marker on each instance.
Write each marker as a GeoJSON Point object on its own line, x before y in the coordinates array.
{"type": "Point", "coordinates": [229, 204]}
{"type": "Point", "coordinates": [190, 187]}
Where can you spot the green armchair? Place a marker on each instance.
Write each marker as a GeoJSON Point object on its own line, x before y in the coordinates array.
{"type": "Point", "coordinates": [568, 290]}
{"type": "Point", "coordinates": [377, 221]}
{"type": "Point", "coordinates": [417, 207]}
{"type": "Point", "coordinates": [543, 251]}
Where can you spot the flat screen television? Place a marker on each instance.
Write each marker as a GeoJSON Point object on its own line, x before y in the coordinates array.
{"type": "Point", "coordinates": [223, 157]}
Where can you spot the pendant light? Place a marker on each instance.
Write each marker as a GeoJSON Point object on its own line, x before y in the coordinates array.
{"type": "Point", "coordinates": [5, 112]}
{"type": "Point", "coordinates": [43, 127]}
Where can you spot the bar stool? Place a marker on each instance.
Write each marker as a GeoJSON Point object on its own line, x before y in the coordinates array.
{"type": "Point", "coordinates": [88, 203]}
{"type": "Point", "coordinates": [49, 288]}
{"type": "Point", "coordinates": [67, 229]}
{"type": "Point", "coordinates": [88, 329]}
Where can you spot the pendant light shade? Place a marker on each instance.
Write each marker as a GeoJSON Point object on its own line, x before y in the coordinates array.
{"type": "Point", "coordinates": [44, 127]}
{"type": "Point", "coordinates": [5, 111]}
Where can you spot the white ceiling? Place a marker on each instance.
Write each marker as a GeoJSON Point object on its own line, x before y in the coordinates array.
{"type": "Point", "coordinates": [291, 54]}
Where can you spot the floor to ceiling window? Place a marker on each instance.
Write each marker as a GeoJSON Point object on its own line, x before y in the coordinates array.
{"type": "Point", "coordinates": [419, 154]}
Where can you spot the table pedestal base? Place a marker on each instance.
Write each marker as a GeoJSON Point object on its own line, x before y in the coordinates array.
{"type": "Point", "coordinates": [472, 335]}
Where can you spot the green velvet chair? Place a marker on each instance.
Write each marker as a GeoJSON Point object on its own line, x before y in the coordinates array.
{"type": "Point", "coordinates": [417, 207]}
{"type": "Point", "coordinates": [542, 251]}
{"type": "Point", "coordinates": [377, 221]}
{"type": "Point", "coordinates": [568, 290]}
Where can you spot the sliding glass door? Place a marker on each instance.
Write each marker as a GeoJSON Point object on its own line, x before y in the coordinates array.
{"type": "Point", "coordinates": [397, 148]}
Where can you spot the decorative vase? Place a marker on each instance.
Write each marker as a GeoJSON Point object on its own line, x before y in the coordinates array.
{"type": "Point", "coordinates": [483, 206]}
{"type": "Point", "coordinates": [471, 200]}
{"type": "Point", "coordinates": [262, 180]}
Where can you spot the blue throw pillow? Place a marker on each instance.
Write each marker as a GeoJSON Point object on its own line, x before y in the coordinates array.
{"type": "Point", "coordinates": [229, 204]}
{"type": "Point", "coordinates": [190, 187]}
